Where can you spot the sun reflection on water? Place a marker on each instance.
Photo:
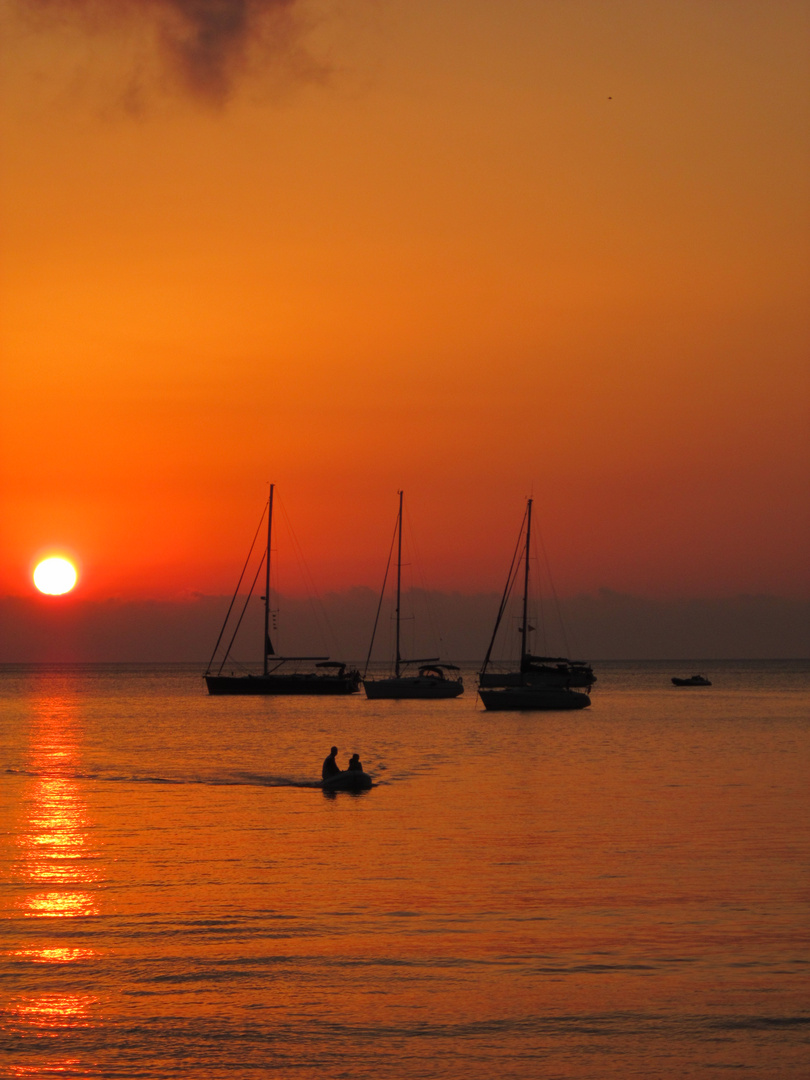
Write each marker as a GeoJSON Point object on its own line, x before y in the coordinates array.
{"type": "Point", "coordinates": [58, 905]}
{"type": "Point", "coordinates": [54, 849]}
{"type": "Point", "coordinates": [56, 875]}
{"type": "Point", "coordinates": [52, 1013]}
{"type": "Point", "coordinates": [53, 955]}
{"type": "Point", "coordinates": [63, 1067]}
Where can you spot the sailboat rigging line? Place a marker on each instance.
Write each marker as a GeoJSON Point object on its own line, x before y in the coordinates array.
{"type": "Point", "coordinates": [426, 609]}
{"type": "Point", "coordinates": [382, 594]}
{"type": "Point", "coordinates": [268, 646]}
{"type": "Point", "coordinates": [242, 615]}
{"type": "Point", "coordinates": [557, 604]}
{"type": "Point", "coordinates": [524, 630]}
{"type": "Point", "coordinates": [510, 581]}
{"type": "Point", "coordinates": [236, 593]}
{"type": "Point", "coordinates": [398, 660]}
{"type": "Point", "coordinates": [313, 598]}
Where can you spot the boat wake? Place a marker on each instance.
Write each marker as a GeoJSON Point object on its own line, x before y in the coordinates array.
{"type": "Point", "coordinates": [213, 779]}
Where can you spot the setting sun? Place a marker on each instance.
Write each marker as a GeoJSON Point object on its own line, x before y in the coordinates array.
{"type": "Point", "coordinates": [55, 576]}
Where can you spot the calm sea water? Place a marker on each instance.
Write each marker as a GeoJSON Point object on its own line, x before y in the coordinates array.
{"type": "Point", "coordinates": [621, 892]}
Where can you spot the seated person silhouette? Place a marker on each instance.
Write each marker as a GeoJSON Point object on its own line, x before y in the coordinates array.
{"type": "Point", "coordinates": [355, 765]}
{"type": "Point", "coordinates": [330, 766]}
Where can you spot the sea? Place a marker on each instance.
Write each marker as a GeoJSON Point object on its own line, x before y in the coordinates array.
{"type": "Point", "coordinates": [616, 892]}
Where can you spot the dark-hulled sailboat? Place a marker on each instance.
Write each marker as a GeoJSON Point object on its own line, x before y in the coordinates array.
{"type": "Point", "coordinates": [540, 682]}
{"type": "Point", "coordinates": [432, 679]}
{"type": "Point", "coordinates": [280, 674]}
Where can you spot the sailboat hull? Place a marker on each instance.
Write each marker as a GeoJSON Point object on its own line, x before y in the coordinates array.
{"type": "Point", "coordinates": [546, 677]}
{"type": "Point", "coordinates": [532, 699]}
{"type": "Point", "coordinates": [541, 683]}
{"type": "Point", "coordinates": [307, 683]}
{"type": "Point", "coordinates": [415, 686]}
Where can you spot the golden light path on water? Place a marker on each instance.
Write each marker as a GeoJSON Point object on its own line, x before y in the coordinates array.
{"type": "Point", "coordinates": [54, 860]}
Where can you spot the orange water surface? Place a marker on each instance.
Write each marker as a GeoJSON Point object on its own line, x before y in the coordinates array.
{"type": "Point", "coordinates": [616, 893]}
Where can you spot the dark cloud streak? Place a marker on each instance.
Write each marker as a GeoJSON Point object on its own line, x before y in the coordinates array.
{"type": "Point", "coordinates": [204, 45]}
{"type": "Point", "coordinates": [208, 40]}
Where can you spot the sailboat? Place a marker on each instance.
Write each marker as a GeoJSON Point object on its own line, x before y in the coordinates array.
{"type": "Point", "coordinates": [278, 675]}
{"type": "Point", "coordinates": [540, 682]}
{"type": "Point", "coordinates": [431, 679]}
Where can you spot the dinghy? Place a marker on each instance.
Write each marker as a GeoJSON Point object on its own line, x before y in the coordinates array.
{"type": "Point", "coordinates": [347, 780]}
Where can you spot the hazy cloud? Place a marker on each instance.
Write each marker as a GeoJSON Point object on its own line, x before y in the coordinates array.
{"type": "Point", "coordinates": [607, 626]}
{"type": "Point", "coordinates": [204, 45]}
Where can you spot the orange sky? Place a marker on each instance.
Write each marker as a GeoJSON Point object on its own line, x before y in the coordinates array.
{"type": "Point", "coordinates": [476, 250]}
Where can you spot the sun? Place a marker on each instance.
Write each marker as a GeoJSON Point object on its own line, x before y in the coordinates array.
{"type": "Point", "coordinates": [55, 576]}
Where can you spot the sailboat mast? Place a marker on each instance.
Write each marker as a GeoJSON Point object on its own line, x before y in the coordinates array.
{"type": "Point", "coordinates": [399, 579]}
{"type": "Point", "coordinates": [267, 648]}
{"type": "Point", "coordinates": [524, 630]}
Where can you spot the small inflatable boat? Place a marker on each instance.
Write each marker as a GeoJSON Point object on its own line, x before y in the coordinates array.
{"type": "Point", "coordinates": [348, 780]}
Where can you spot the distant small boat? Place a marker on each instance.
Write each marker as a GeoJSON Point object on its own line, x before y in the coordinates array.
{"type": "Point", "coordinates": [330, 676]}
{"type": "Point", "coordinates": [536, 684]}
{"type": "Point", "coordinates": [348, 780]}
{"type": "Point", "coordinates": [693, 680]}
{"type": "Point", "coordinates": [431, 679]}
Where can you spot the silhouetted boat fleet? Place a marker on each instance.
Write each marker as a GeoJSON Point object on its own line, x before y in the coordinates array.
{"type": "Point", "coordinates": [534, 683]}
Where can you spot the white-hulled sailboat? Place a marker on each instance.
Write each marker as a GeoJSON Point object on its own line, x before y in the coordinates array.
{"type": "Point", "coordinates": [280, 674]}
{"type": "Point", "coordinates": [536, 684]}
{"type": "Point", "coordinates": [431, 679]}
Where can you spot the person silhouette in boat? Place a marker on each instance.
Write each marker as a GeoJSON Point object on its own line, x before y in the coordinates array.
{"type": "Point", "coordinates": [355, 764]}
{"type": "Point", "coordinates": [330, 766]}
